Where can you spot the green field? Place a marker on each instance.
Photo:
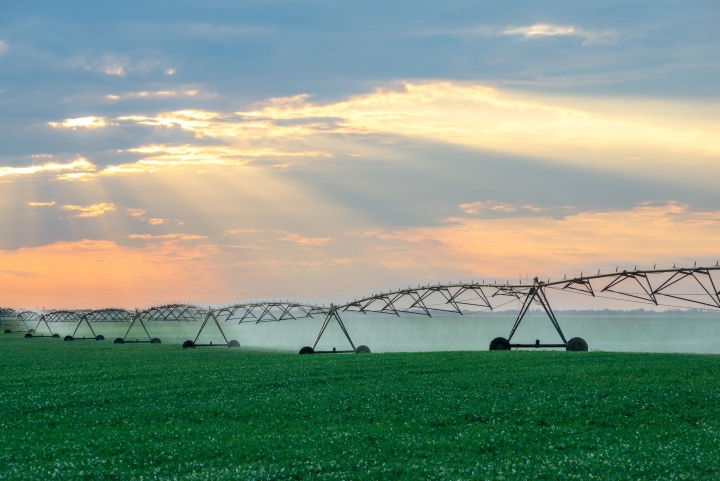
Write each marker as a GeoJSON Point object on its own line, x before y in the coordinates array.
{"type": "Point", "coordinates": [94, 410]}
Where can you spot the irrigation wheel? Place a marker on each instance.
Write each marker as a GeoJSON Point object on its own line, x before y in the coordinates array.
{"type": "Point", "coordinates": [119, 340]}
{"type": "Point", "coordinates": [499, 344]}
{"type": "Point", "coordinates": [155, 340]}
{"type": "Point", "coordinates": [187, 344]}
{"type": "Point", "coordinates": [362, 350]}
{"type": "Point", "coordinates": [233, 343]}
{"type": "Point", "coordinates": [307, 350]}
{"type": "Point", "coordinates": [68, 338]}
{"type": "Point", "coordinates": [576, 344]}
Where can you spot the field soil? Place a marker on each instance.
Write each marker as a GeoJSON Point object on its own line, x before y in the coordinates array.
{"type": "Point", "coordinates": [96, 410]}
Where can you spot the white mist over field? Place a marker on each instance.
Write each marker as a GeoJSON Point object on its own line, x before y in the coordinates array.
{"type": "Point", "coordinates": [644, 331]}
{"type": "Point", "coordinates": [688, 331]}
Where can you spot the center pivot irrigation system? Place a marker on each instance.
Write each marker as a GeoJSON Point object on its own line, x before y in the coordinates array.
{"type": "Point", "coordinates": [678, 287]}
{"type": "Point", "coordinates": [673, 288]}
{"type": "Point", "coordinates": [46, 324]}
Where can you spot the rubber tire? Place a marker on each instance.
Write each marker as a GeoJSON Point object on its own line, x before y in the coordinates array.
{"type": "Point", "coordinates": [28, 336]}
{"type": "Point", "coordinates": [576, 344]}
{"type": "Point", "coordinates": [307, 350]}
{"type": "Point", "coordinates": [68, 338]}
{"type": "Point", "coordinates": [119, 340]}
{"type": "Point", "coordinates": [99, 337]}
{"type": "Point", "coordinates": [362, 350]}
{"type": "Point", "coordinates": [187, 344]}
{"type": "Point", "coordinates": [499, 344]}
{"type": "Point", "coordinates": [155, 340]}
{"type": "Point", "coordinates": [56, 336]}
{"type": "Point", "coordinates": [8, 331]}
{"type": "Point", "coordinates": [233, 343]}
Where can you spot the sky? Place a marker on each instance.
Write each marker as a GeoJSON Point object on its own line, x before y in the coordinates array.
{"type": "Point", "coordinates": [218, 151]}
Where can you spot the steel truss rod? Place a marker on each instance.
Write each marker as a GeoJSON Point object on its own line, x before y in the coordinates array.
{"type": "Point", "coordinates": [636, 276]}
{"type": "Point", "coordinates": [9, 312]}
{"type": "Point", "coordinates": [24, 317]}
{"type": "Point", "coordinates": [685, 273]}
{"type": "Point", "coordinates": [205, 321]}
{"type": "Point", "coordinates": [537, 293]}
{"type": "Point", "coordinates": [248, 313]}
{"type": "Point", "coordinates": [450, 300]}
{"type": "Point", "coordinates": [268, 311]}
{"type": "Point", "coordinates": [175, 312]}
{"type": "Point", "coordinates": [418, 301]}
{"type": "Point", "coordinates": [479, 292]}
{"type": "Point", "coordinates": [40, 321]}
{"type": "Point", "coordinates": [586, 288]}
{"type": "Point", "coordinates": [517, 292]}
{"type": "Point", "coordinates": [83, 318]}
{"type": "Point", "coordinates": [333, 314]}
{"type": "Point", "coordinates": [110, 314]}
{"type": "Point", "coordinates": [136, 318]}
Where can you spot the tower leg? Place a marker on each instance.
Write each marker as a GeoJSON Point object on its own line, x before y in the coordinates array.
{"type": "Point", "coordinates": [546, 305]}
{"type": "Point", "coordinates": [536, 293]}
{"type": "Point", "coordinates": [523, 310]}
{"type": "Point", "coordinates": [333, 314]}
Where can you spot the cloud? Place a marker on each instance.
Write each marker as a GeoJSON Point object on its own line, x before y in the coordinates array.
{"type": "Point", "coordinates": [167, 236]}
{"type": "Point", "coordinates": [119, 65]}
{"type": "Point", "coordinates": [91, 210]}
{"type": "Point", "coordinates": [167, 156]}
{"type": "Point", "coordinates": [155, 221]}
{"type": "Point", "coordinates": [235, 125]}
{"type": "Point", "coordinates": [3, 47]}
{"type": "Point", "coordinates": [212, 155]}
{"type": "Point", "coordinates": [455, 112]}
{"type": "Point", "coordinates": [297, 238]}
{"type": "Point", "coordinates": [158, 156]}
{"type": "Point", "coordinates": [644, 235]}
{"type": "Point", "coordinates": [110, 64]}
{"type": "Point", "coordinates": [547, 30]}
{"type": "Point", "coordinates": [541, 29]}
{"type": "Point", "coordinates": [69, 274]}
{"type": "Point", "coordinates": [472, 115]}
{"type": "Point", "coordinates": [114, 69]}
{"type": "Point", "coordinates": [492, 206]}
{"type": "Point", "coordinates": [158, 94]}
{"type": "Point", "coordinates": [575, 131]}
{"type": "Point", "coordinates": [135, 212]}
{"type": "Point", "coordinates": [158, 267]}
{"type": "Point", "coordinates": [477, 207]}
{"type": "Point", "coordinates": [41, 204]}
{"type": "Point", "coordinates": [82, 122]}
{"type": "Point", "coordinates": [79, 164]}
